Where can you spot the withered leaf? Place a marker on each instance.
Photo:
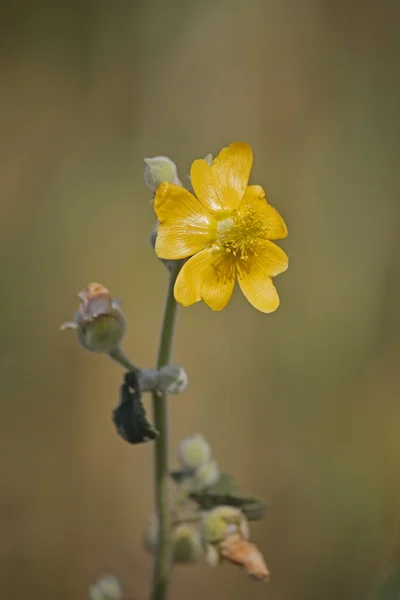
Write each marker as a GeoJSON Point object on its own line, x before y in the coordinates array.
{"type": "Point", "coordinates": [130, 416]}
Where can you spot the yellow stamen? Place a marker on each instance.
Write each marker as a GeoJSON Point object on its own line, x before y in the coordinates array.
{"type": "Point", "coordinates": [242, 233]}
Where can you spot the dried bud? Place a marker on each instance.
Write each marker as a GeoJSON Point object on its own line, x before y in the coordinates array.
{"type": "Point", "coordinates": [186, 544]}
{"type": "Point", "coordinates": [159, 169]}
{"type": "Point", "coordinates": [194, 451]}
{"type": "Point", "coordinates": [99, 322]}
{"type": "Point", "coordinates": [243, 553]}
{"type": "Point", "coordinates": [220, 522]}
{"type": "Point", "coordinates": [106, 588]}
{"type": "Point", "coordinates": [173, 379]}
{"type": "Point", "coordinates": [206, 475]}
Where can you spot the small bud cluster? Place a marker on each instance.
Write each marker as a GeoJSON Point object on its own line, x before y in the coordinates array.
{"type": "Point", "coordinates": [195, 456]}
{"type": "Point", "coordinates": [218, 534]}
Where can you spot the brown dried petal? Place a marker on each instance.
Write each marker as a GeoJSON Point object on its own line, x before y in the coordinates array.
{"type": "Point", "coordinates": [244, 554]}
{"type": "Point", "coordinates": [95, 301]}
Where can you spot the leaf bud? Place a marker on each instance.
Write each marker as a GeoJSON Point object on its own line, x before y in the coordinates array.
{"type": "Point", "coordinates": [159, 169]}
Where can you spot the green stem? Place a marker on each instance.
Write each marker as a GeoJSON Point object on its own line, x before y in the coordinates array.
{"type": "Point", "coordinates": [122, 359]}
{"type": "Point", "coordinates": [161, 476]}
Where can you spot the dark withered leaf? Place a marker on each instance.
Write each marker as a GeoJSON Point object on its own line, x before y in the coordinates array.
{"type": "Point", "coordinates": [226, 492]}
{"type": "Point", "coordinates": [130, 416]}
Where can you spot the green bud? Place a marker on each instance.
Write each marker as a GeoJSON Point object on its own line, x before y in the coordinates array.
{"type": "Point", "coordinates": [186, 544]}
{"type": "Point", "coordinates": [159, 169]}
{"type": "Point", "coordinates": [206, 475]}
{"type": "Point", "coordinates": [106, 588]}
{"type": "Point", "coordinates": [99, 322]}
{"type": "Point", "coordinates": [220, 522]}
{"type": "Point", "coordinates": [173, 379]}
{"type": "Point", "coordinates": [194, 451]}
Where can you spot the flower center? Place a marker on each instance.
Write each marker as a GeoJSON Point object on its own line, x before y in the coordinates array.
{"type": "Point", "coordinates": [242, 233]}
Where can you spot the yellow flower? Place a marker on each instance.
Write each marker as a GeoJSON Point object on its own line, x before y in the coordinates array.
{"type": "Point", "coordinates": [226, 228]}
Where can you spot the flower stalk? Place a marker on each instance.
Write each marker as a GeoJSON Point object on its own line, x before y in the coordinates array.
{"type": "Point", "coordinates": [161, 474]}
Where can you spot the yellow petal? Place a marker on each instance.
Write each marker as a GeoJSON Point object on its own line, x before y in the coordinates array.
{"type": "Point", "coordinates": [255, 198]}
{"type": "Point", "coordinates": [254, 276]}
{"type": "Point", "coordinates": [222, 186]}
{"type": "Point", "coordinates": [208, 276]}
{"type": "Point", "coordinates": [185, 225]}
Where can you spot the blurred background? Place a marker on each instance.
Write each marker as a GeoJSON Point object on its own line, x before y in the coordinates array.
{"type": "Point", "coordinates": [301, 406]}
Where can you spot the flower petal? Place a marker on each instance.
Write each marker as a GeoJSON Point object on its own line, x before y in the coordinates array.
{"type": "Point", "coordinates": [185, 225]}
{"type": "Point", "coordinates": [222, 186]}
{"type": "Point", "coordinates": [255, 198]}
{"type": "Point", "coordinates": [254, 276]}
{"type": "Point", "coordinates": [208, 276]}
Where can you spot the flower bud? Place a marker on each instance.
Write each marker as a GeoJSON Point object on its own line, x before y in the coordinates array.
{"type": "Point", "coordinates": [173, 379]}
{"type": "Point", "coordinates": [186, 544]}
{"type": "Point", "coordinates": [220, 522]}
{"type": "Point", "coordinates": [159, 169]}
{"type": "Point", "coordinates": [206, 475]}
{"type": "Point", "coordinates": [194, 451]}
{"type": "Point", "coordinates": [106, 588]}
{"type": "Point", "coordinates": [212, 556]}
{"type": "Point", "coordinates": [99, 322]}
{"type": "Point", "coordinates": [149, 380]}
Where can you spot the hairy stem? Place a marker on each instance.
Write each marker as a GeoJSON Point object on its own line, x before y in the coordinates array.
{"type": "Point", "coordinates": [160, 415]}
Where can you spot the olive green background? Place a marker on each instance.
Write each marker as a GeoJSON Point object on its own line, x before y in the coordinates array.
{"type": "Point", "coordinates": [302, 406]}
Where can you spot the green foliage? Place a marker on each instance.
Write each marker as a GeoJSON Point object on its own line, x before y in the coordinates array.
{"type": "Point", "coordinates": [225, 492]}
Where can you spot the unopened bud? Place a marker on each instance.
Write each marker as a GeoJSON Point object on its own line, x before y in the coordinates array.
{"type": "Point", "coordinates": [186, 544]}
{"type": "Point", "coordinates": [206, 475]}
{"type": "Point", "coordinates": [194, 451]}
{"type": "Point", "coordinates": [212, 555]}
{"type": "Point", "coordinates": [99, 322]}
{"type": "Point", "coordinates": [159, 169]}
{"type": "Point", "coordinates": [173, 379]}
{"type": "Point", "coordinates": [220, 522]}
{"type": "Point", "coordinates": [149, 380]}
{"type": "Point", "coordinates": [106, 588]}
